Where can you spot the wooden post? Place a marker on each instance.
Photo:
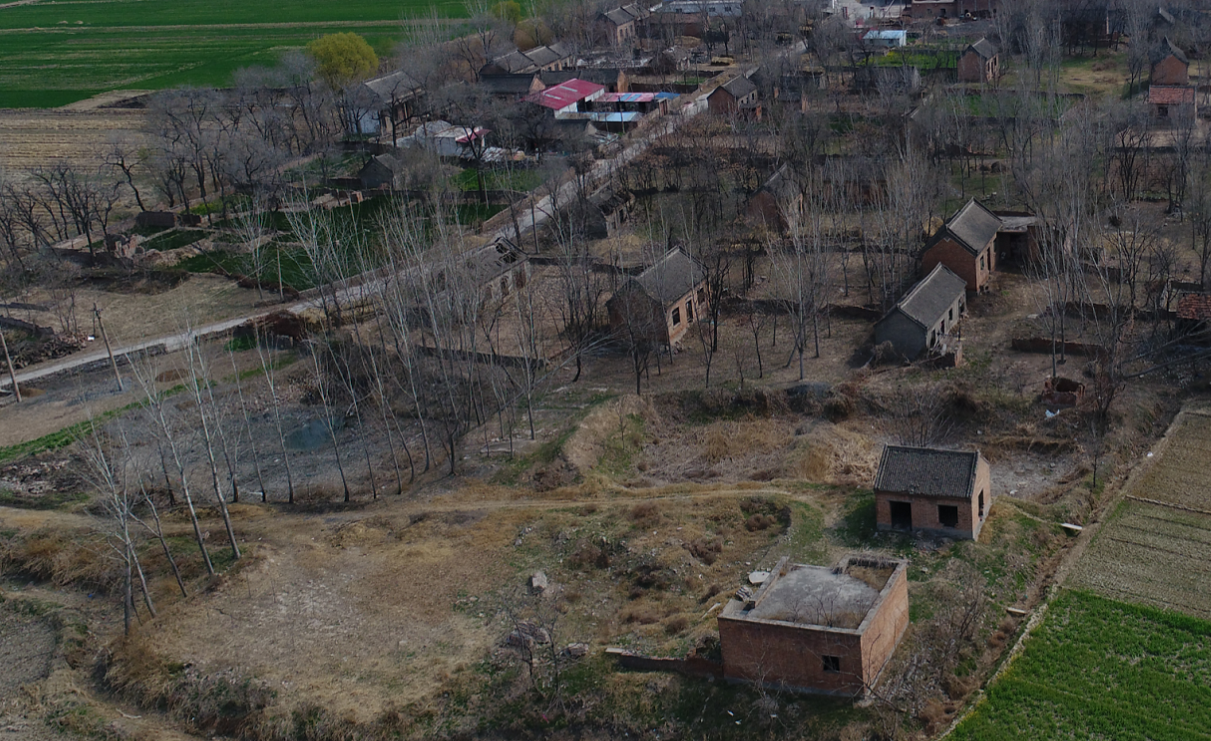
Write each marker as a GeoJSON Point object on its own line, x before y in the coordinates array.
{"type": "Point", "coordinates": [12, 372]}
{"type": "Point", "coordinates": [112, 361]}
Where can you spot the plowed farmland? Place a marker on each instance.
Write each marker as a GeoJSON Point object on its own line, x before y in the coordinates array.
{"type": "Point", "coordinates": [1155, 548]}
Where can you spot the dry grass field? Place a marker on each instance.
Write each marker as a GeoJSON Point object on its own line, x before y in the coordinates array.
{"type": "Point", "coordinates": [1155, 547]}
{"type": "Point", "coordinates": [41, 138]}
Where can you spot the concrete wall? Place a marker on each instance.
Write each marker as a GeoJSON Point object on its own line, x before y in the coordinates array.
{"type": "Point", "coordinates": [925, 509]}
{"type": "Point", "coordinates": [1170, 71]}
{"type": "Point", "coordinates": [956, 257]}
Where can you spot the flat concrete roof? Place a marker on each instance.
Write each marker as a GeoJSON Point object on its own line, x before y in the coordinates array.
{"type": "Point", "coordinates": [819, 596]}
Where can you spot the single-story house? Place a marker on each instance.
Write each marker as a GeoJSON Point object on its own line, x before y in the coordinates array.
{"type": "Point", "coordinates": [391, 101]}
{"type": "Point", "coordinates": [567, 97]}
{"type": "Point", "coordinates": [613, 79]}
{"type": "Point", "coordinates": [1171, 102]}
{"type": "Point", "coordinates": [661, 303]}
{"type": "Point", "coordinates": [896, 80]}
{"type": "Point", "coordinates": [512, 87]}
{"type": "Point", "coordinates": [965, 245]}
{"type": "Point", "coordinates": [922, 319]}
{"type": "Point", "coordinates": [1169, 65]}
{"type": "Point", "coordinates": [539, 59]}
{"type": "Point", "coordinates": [885, 38]}
{"type": "Point", "coordinates": [944, 492]}
{"type": "Point", "coordinates": [736, 96]}
{"type": "Point", "coordinates": [1194, 317]}
{"type": "Point", "coordinates": [445, 139]}
{"type": "Point", "coordinates": [979, 62]}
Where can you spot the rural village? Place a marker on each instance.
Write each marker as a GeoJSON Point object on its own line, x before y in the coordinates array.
{"type": "Point", "coordinates": [712, 369]}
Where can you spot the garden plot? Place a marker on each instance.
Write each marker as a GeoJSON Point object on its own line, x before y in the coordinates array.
{"type": "Point", "coordinates": [1155, 548]}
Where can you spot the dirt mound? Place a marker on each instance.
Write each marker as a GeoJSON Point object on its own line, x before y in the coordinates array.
{"type": "Point", "coordinates": [829, 454]}
{"type": "Point", "coordinates": [586, 446]}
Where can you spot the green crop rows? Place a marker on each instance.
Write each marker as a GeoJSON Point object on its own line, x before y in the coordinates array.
{"type": "Point", "coordinates": [1100, 669]}
{"type": "Point", "coordinates": [56, 53]}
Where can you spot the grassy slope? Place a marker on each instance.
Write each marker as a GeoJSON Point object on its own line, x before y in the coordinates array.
{"type": "Point", "coordinates": [1097, 668]}
{"type": "Point", "coordinates": [55, 54]}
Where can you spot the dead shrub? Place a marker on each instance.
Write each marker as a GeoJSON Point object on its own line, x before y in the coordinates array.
{"type": "Point", "coordinates": [996, 640]}
{"type": "Point", "coordinates": [958, 688]}
{"type": "Point", "coordinates": [760, 522]}
{"type": "Point", "coordinates": [644, 513]}
{"type": "Point", "coordinates": [711, 591]}
{"type": "Point", "coordinates": [935, 714]}
{"type": "Point", "coordinates": [641, 615]}
{"type": "Point", "coordinates": [706, 550]}
{"type": "Point", "coordinates": [677, 624]}
{"type": "Point", "coordinates": [1008, 626]}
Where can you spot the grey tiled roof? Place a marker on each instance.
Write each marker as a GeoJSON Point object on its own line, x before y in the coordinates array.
{"type": "Point", "coordinates": [932, 296]}
{"type": "Point", "coordinates": [973, 226]}
{"type": "Point", "coordinates": [984, 48]}
{"type": "Point", "coordinates": [739, 86]}
{"type": "Point", "coordinates": [927, 472]}
{"type": "Point", "coordinates": [673, 276]}
{"type": "Point", "coordinates": [1165, 48]}
{"type": "Point", "coordinates": [395, 85]}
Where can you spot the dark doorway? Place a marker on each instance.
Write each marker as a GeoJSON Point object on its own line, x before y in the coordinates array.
{"type": "Point", "coordinates": [981, 515]}
{"type": "Point", "coordinates": [901, 515]}
{"type": "Point", "coordinates": [948, 515]}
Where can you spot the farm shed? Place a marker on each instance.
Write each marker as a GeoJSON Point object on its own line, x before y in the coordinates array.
{"type": "Point", "coordinates": [661, 303]}
{"type": "Point", "coordinates": [944, 492]}
{"type": "Point", "coordinates": [1193, 315]}
{"type": "Point", "coordinates": [1171, 103]}
{"type": "Point", "coordinates": [920, 320]}
{"type": "Point", "coordinates": [979, 62]}
{"type": "Point", "coordinates": [964, 244]}
{"type": "Point", "coordinates": [885, 38]}
{"type": "Point", "coordinates": [817, 629]}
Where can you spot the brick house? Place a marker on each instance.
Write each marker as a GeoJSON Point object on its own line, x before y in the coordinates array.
{"type": "Point", "coordinates": [921, 320]}
{"type": "Point", "coordinates": [979, 62]}
{"type": "Point", "coordinates": [1171, 103]}
{"type": "Point", "coordinates": [662, 302]}
{"type": "Point", "coordinates": [817, 629]}
{"type": "Point", "coordinates": [736, 96]}
{"type": "Point", "coordinates": [777, 202]}
{"type": "Point", "coordinates": [1169, 65]}
{"type": "Point", "coordinates": [621, 26]}
{"type": "Point", "coordinates": [964, 244]}
{"type": "Point", "coordinates": [1194, 317]}
{"type": "Point", "coordinates": [944, 492]}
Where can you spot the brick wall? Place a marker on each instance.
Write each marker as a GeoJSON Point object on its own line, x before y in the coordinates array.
{"type": "Point", "coordinates": [793, 655]}
{"type": "Point", "coordinates": [956, 257]}
{"type": "Point", "coordinates": [1170, 71]}
{"type": "Point", "coordinates": [774, 653]}
{"type": "Point", "coordinates": [886, 627]}
{"type": "Point", "coordinates": [971, 67]}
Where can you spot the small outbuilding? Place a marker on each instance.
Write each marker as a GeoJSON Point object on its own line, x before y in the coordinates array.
{"type": "Point", "coordinates": [661, 303]}
{"type": "Point", "coordinates": [979, 62]}
{"type": "Point", "coordinates": [942, 492]}
{"type": "Point", "coordinates": [1169, 65]}
{"type": "Point", "coordinates": [777, 202]}
{"type": "Point", "coordinates": [1171, 103]}
{"type": "Point", "coordinates": [737, 96]}
{"type": "Point", "coordinates": [921, 320]}
{"type": "Point", "coordinates": [820, 629]}
{"type": "Point", "coordinates": [965, 245]}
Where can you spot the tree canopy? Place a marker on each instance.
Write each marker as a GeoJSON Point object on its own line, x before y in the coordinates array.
{"type": "Point", "coordinates": [342, 58]}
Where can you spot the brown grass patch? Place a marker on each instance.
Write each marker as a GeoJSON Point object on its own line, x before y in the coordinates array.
{"type": "Point", "coordinates": [829, 454]}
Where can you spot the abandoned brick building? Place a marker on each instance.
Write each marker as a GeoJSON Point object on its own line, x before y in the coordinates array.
{"type": "Point", "coordinates": [662, 302]}
{"type": "Point", "coordinates": [817, 629]}
{"type": "Point", "coordinates": [965, 245]}
{"type": "Point", "coordinates": [942, 492]}
{"type": "Point", "coordinates": [1169, 65]}
{"type": "Point", "coordinates": [979, 62]}
{"type": "Point", "coordinates": [924, 317]}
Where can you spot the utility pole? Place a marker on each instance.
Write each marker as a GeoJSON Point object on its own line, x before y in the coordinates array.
{"type": "Point", "coordinates": [12, 372]}
{"type": "Point", "coordinates": [112, 361]}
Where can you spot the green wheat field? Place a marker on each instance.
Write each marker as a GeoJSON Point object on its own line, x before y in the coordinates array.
{"type": "Point", "coordinates": [55, 53]}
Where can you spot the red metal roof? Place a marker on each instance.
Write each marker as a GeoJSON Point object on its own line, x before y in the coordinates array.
{"type": "Point", "coordinates": [1170, 95]}
{"type": "Point", "coordinates": [565, 94]}
{"type": "Point", "coordinates": [1194, 306]}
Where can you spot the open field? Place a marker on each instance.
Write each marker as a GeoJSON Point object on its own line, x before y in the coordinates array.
{"type": "Point", "coordinates": [1156, 552]}
{"type": "Point", "coordinates": [55, 53]}
{"type": "Point", "coordinates": [1097, 668]}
